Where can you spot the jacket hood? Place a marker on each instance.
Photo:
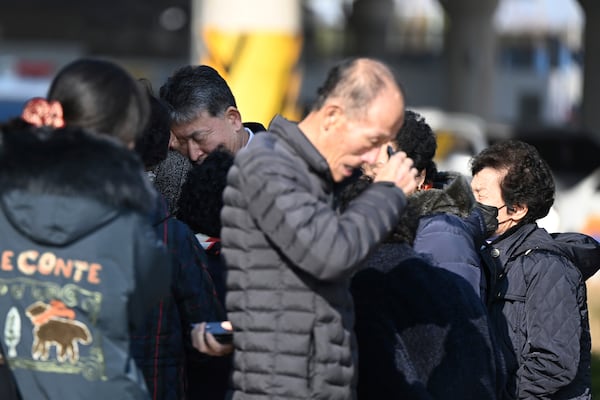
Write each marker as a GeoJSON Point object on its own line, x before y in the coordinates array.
{"type": "Point", "coordinates": [582, 250]}
{"type": "Point", "coordinates": [54, 220]}
{"type": "Point", "coordinates": [454, 197]}
{"type": "Point", "coordinates": [57, 186]}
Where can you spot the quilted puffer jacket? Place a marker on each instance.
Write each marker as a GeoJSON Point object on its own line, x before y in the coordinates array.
{"type": "Point", "coordinates": [537, 303]}
{"type": "Point", "coordinates": [439, 224]}
{"type": "Point", "coordinates": [289, 259]}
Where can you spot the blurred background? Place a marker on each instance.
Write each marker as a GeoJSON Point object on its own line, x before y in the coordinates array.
{"type": "Point", "coordinates": [478, 70]}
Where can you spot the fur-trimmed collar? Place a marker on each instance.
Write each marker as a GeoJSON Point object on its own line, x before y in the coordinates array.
{"type": "Point", "coordinates": [451, 194]}
{"type": "Point", "coordinates": [74, 163]}
{"type": "Point", "coordinates": [58, 186]}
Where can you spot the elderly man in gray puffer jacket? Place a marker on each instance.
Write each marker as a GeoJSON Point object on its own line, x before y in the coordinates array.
{"type": "Point", "coordinates": [290, 255]}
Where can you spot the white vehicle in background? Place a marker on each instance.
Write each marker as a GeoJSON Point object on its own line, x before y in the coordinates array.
{"type": "Point", "coordinates": [27, 69]}
{"type": "Point", "coordinates": [459, 137]}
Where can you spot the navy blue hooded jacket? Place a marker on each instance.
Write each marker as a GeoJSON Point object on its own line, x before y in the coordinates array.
{"type": "Point", "coordinates": [80, 264]}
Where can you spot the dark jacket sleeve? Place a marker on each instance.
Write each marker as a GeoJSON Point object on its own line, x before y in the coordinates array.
{"type": "Point", "coordinates": [195, 293]}
{"type": "Point", "coordinates": [551, 354]}
{"type": "Point", "coordinates": [311, 234]}
{"type": "Point", "coordinates": [152, 279]}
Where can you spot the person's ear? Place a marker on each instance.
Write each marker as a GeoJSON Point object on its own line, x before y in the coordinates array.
{"type": "Point", "coordinates": [234, 117]}
{"type": "Point", "coordinates": [517, 212]}
{"type": "Point", "coordinates": [420, 179]}
{"type": "Point", "coordinates": [333, 115]}
{"type": "Point", "coordinates": [173, 142]}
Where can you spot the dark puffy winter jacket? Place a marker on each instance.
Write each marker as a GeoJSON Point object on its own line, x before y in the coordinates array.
{"type": "Point", "coordinates": [443, 228]}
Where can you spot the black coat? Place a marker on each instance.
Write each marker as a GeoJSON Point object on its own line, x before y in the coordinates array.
{"type": "Point", "coordinates": [422, 331]}
{"type": "Point", "coordinates": [537, 303]}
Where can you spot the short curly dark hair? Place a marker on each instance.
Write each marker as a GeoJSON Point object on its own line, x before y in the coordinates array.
{"type": "Point", "coordinates": [201, 199]}
{"type": "Point", "coordinates": [152, 145]}
{"type": "Point", "coordinates": [528, 180]}
{"type": "Point", "coordinates": [417, 140]}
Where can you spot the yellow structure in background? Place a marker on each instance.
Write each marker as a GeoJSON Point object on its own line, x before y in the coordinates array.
{"type": "Point", "coordinates": [592, 228]}
{"type": "Point", "coordinates": [255, 45]}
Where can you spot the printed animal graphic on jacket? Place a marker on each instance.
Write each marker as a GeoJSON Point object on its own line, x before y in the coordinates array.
{"type": "Point", "coordinates": [55, 324]}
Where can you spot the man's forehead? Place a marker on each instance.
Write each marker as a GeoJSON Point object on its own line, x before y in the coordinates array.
{"type": "Point", "coordinates": [182, 131]}
{"type": "Point", "coordinates": [199, 124]}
